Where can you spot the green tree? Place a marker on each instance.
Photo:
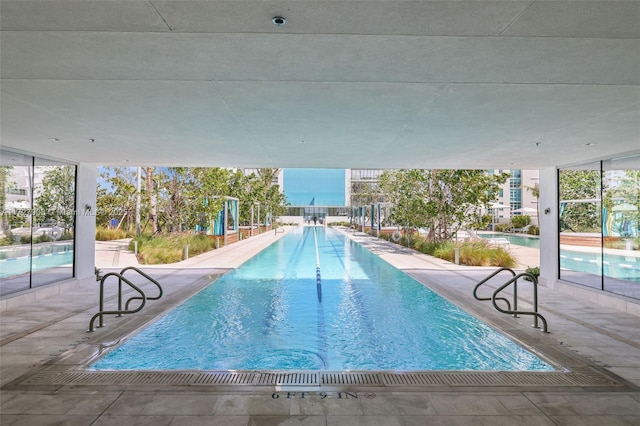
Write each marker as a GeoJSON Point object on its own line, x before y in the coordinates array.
{"type": "Point", "coordinates": [440, 201]}
{"type": "Point", "coordinates": [622, 201]}
{"type": "Point", "coordinates": [152, 198]}
{"type": "Point", "coordinates": [116, 197]}
{"type": "Point", "coordinates": [173, 184]}
{"type": "Point", "coordinates": [535, 191]}
{"type": "Point", "coordinates": [55, 197]}
{"type": "Point", "coordinates": [5, 172]}
{"type": "Point", "coordinates": [580, 200]}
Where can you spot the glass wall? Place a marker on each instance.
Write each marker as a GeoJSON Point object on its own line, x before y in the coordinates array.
{"type": "Point", "coordinates": [598, 225]}
{"type": "Point", "coordinates": [38, 218]}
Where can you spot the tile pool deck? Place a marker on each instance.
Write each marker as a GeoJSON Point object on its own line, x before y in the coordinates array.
{"type": "Point", "coordinates": [44, 341]}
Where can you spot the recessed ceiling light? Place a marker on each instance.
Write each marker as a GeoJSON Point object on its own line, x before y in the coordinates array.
{"type": "Point", "coordinates": [590, 143]}
{"type": "Point", "coordinates": [279, 21]}
{"type": "Point", "coordinates": [54, 139]}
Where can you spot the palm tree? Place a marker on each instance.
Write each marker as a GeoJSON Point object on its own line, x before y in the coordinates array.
{"type": "Point", "coordinates": [268, 175]}
{"type": "Point", "coordinates": [535, 191]}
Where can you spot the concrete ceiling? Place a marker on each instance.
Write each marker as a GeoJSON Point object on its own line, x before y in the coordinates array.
{"type": "Point", "coordinates": [360, 84]}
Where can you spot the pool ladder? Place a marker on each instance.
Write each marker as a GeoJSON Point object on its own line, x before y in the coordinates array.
{"type": "Point", "coordinates": [119, 312]}
{"type": "Point", "coordinates": [514, 280]}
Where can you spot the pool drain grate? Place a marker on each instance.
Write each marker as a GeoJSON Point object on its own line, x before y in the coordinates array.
{"type": "Point", "coordinates": [60, 376]}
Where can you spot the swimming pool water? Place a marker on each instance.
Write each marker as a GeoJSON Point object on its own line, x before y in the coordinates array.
{"type": "Point", "coordinates": [518, 240]}
{"type": "Point", "coordinates": [268, 315]}
{"type": "Point", "coordinates": [611, 265]}
{"type": "Point", "coordinates": [21, 265]}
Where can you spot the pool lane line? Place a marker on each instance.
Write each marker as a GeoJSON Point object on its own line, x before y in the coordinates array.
{"type": "Point", "coordinates": [318, 275]}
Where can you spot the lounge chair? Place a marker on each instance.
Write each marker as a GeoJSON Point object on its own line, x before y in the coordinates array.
{"type": "Point", "coordinates": [500, 242]}
{"type": "Point", "coordinates": [523, 230]}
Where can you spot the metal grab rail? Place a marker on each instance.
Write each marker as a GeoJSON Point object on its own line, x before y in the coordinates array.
{"type": "Point", "coordinates": [133, 268]}
{"type": "Point", "coordinates": [515, 294]}
{"type": "Point", "coordinates": [515, 311]}
{"type": "Point", "coordinates": [120, 311]}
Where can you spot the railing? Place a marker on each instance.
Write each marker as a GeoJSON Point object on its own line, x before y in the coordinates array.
{"type": "Point", "coordinates": [515, 312]}
{"type": "Point", "coordinates": [119, 312]}
{"type": "Point", "coordinates": [515, 295]}
{"type": "Point", "coordinates": [133, 268]}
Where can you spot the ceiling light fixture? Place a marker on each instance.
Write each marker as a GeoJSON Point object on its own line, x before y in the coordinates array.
{"type": "Point", "coordinates": [279, 21]}
{"type": "Point", "coordinates": [54, 139]}
{"type": "Point", "coordinates": [590, 144]}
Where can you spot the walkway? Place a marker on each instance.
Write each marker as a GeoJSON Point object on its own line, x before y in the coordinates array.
{"type": "Point", "coordinates": [49, 335]}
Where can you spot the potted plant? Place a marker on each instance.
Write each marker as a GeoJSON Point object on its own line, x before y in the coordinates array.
{"type": "Point", "coordinates": [535, 271]}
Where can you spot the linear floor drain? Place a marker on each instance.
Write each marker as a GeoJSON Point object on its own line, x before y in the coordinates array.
{"type": "Point", "coordinates": [225, 378]}
{"type": "Point", "coordinates": [57, 376]}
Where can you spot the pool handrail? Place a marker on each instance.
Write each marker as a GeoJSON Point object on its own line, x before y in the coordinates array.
{"type": "Point", "coordinates": [133, 268]}
{"type": "Point", "coordinates": [119, 311]}
{"type": "Point", "coordinates": [515, 295]}
{"type": "Point", "coordinates": [515, 312]}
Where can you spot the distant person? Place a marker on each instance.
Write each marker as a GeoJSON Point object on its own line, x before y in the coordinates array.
{"type": "Point", "coordinates": [315, 220]}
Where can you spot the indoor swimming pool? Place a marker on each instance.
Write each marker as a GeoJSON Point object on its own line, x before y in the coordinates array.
{"type": "Point", "coordinates": [315, 300]}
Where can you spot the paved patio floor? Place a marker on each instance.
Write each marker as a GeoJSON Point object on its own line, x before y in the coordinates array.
{"type": "Point", "coordinates": [43, 339]}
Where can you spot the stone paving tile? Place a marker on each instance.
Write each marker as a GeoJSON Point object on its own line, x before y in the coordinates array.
{"type": "Point", "coordinates": [596, 420]}
{"type": "Point", "coordinates": [213, 421]}
{"type": "Point", "coordinates": [315, 405]}
{"type": "Point", "coordinates": [480, 404]}
{"type": "Point", "coordinates": [515, 420]}
{"type": "Point", "coordinates": [405, 405]}
{"type": "Point", "coordinates": [135, 421]}
{"type": "Point", "coordinates": [442, 421]}
{"type": "Point", "coordinates": [365, 421]}
{"type": "Point", "coordinates": [254, 405]}
{"type": "Point", "coordinates": [58, 404]}
{"type": "Point", "coordinates": [46, 420]}
{"type": "Point", "coordinates": [631, 373]}
{"type": "Point", "coordinates": [169, 404]}
{"type": "Point", "coordinates": [282, 421]}
{"type": "Point", "coordinates": [585, 404]}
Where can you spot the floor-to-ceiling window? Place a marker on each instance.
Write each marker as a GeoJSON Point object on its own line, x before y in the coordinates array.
{"type": "Point", "coordinates": [599, 225]}
{"type": "Point", "coordinates": [38, 217]}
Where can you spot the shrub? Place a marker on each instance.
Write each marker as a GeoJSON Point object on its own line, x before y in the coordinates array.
{"type": "Point", "coordinates": [7, 239]}
{"type": "Point", "coordinates": [343, 223]}
{"type": "Point", "coordinates": [520, 221]}
{"type": "Point", "coordinates": [170, 248]}
{"type": "Point", "coordinates": [502, 227]}
{"type": "Point", "coordinates": [106, 234]}
{"type": "Point", "coordinates": [43, 238]}
{"type": "Point", "coordinates": [444, 251]}
{"type": "Point", "coordinates": [535, 271]}
{"type": "Point", "coordinates": [533, 230]}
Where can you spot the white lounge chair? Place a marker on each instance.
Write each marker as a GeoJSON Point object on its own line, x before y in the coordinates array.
{"type": "Point", "coordinates": [523, 230]}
